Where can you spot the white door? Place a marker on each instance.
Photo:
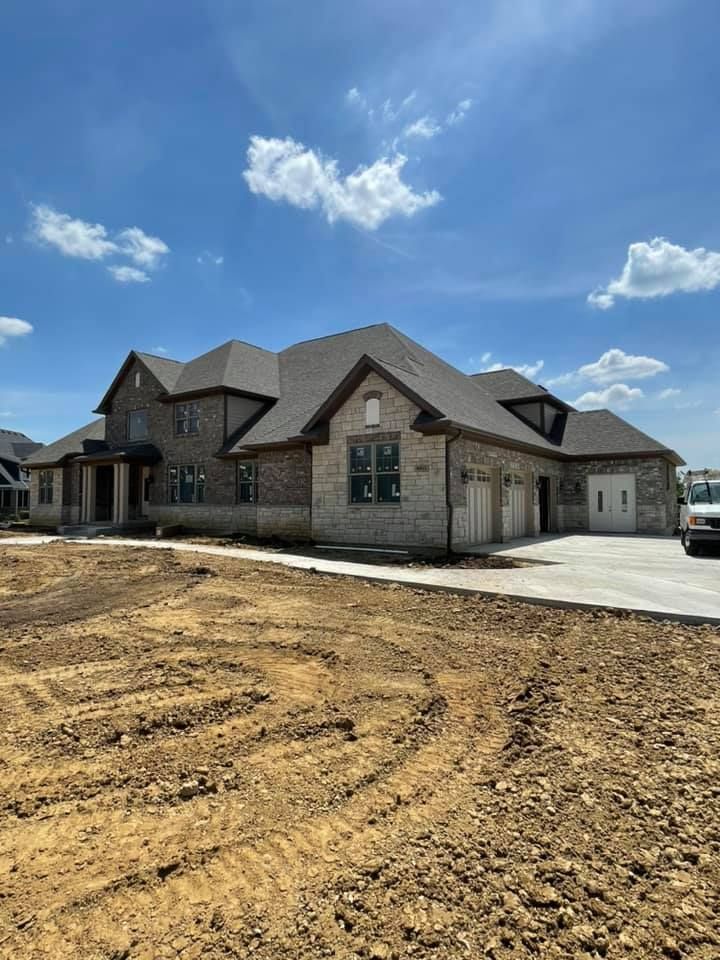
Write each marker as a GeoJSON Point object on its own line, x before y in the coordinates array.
{"type": "Point", "coordinates": [479, 505]}
{"type": "Point", "coordinates": [612, 503]}
{"type": "Point", "coordinates": [518, 505]}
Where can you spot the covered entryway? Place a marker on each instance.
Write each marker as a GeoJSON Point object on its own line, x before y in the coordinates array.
{"type": "Point", "coordinates": [480, 499]}
{"type": "Point", "coordinates": [519, 489]}
{"type": "Point", "coordinates": [612, 503]}
{"type": "Point", "coordinates": [115, 485]}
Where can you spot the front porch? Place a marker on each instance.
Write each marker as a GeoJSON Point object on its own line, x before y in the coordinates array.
{"type": "Point", "coordinates": [115, 489]}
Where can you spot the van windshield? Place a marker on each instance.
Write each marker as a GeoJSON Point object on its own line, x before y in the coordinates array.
{"type": "Point", "coordinates": [705, 492]}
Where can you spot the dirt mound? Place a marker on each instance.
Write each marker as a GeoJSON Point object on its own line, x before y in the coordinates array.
{"type": "Point", "coordinates": [241, 760]}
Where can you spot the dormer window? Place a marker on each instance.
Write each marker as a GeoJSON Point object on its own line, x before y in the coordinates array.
{"type": "Point", "coordinates": [372, 409]}
{"type": "Point", "coordinates": [537, 413]}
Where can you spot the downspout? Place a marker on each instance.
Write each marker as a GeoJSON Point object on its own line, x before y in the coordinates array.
{"type": "Point", "coordinates": [448, 499]}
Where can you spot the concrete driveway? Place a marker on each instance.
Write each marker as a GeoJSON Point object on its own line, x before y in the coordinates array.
{"type": "Point", "coordinates": [642, 573]}
{"type": "Point", "coordinates": [646, 574]}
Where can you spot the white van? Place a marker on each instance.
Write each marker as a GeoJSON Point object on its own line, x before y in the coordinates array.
{"type": "Point", "coordinates": [700, 515]}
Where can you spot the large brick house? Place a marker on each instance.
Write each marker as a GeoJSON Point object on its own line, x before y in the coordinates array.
{"type": "Point", "coordinates": [362, 437]}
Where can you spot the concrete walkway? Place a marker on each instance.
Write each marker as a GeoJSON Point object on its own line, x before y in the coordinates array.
{"type": "Point", "coordinates": [650, 575]}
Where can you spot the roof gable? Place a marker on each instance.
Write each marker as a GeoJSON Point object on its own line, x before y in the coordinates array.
{"type": "Point", "coordinates": [165, 371]}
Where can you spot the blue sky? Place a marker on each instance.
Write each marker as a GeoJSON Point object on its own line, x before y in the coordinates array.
{"type": "Point", "coordinates": [174, 175]}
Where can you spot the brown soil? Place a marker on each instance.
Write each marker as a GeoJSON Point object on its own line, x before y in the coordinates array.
{"type": "Point", "coordinates": [204, 758]}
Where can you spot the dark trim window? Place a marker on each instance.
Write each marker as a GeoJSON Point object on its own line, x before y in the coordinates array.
{"type": "Point", "coordinates": [374, 473]}
{"type": "Point", "coordinates": [45, 486]}
{"type": "Point", "coordinates": [187, 418]}
{"type": "Point", "coordinates": [137, 424]}
{"type": "Point", "coordinates": [5, 499]}
{"type": "Point", "coordinates": [247, 481]}
{"type": "Point", "coordinates": [186, 483]}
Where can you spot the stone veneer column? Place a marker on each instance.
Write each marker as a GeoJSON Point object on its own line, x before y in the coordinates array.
{"type": "Point", "coordinates": [121, 491]}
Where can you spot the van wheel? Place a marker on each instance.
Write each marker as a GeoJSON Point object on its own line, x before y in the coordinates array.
{"type": "Point", "coordinates": [691, 549]}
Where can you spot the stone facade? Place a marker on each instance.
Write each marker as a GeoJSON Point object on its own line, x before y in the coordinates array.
{"type": "Point", "coordinates": [464, 452]}
{"type": "Point", "coordinates": [420, 518]}
{"type": "Point", "coordinates": [656, 495]}
{"type": "Point", "coordinates": [47, 514]}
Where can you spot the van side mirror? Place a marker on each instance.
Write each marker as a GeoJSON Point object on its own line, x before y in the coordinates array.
{"type": "Point", "coordinates": [681, 501]}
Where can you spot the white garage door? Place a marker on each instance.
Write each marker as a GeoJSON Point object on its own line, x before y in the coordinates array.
{"type": "Point", "coordinates": [479, 503]}
{"type": "Point", "coordinates": [518, 505]}
{"type": "Point", "coordinates": [612, 503]}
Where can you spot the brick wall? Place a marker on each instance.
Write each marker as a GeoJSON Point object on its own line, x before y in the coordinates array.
{"type": "Point", "coordinates": [46, 514]}
{"type": "Point", "coordinates": [501, 460]}
{"type": "Point", "coordinates": [420, 519]}
{"type": "Point", "coordinates": [655, 502]}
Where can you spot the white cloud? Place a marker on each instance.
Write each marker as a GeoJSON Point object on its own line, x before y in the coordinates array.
{"type": "Point", "coordinates": [159, 350]}
{"type": "Point", "coordinates": [529, 370]}
{"type": "Point", "coordinates": [285, 170]}
{"type": "Point", "coordinates": [669, 392]}
{"type": "Point", "coordinates": [144, 250]}
{"type": "Point", "coordinates": [90, 241]}
{"type": "Point", "coordinates": [457, 115]}
{"type": "Point", "coordinates": [657, 269]}
{"type": "Point", "coordinates": [207, 257]}
{"type": "Point", "coordinates": [128, 274]}
{"type": "Point", "coordinates": [613, 365]}
{"type": "Point", "coordinates": [73, 238]}
{"type": "Point", "coordinates": [485, 358]}
{"type": "Point", "coordinates": [424, 128]}
{"type": "Point", "coordinates": [354, 97]}
{"type": "Point", "coordinates": [618, 395]}
{"type": "Point", "coordinates": [12, 327]}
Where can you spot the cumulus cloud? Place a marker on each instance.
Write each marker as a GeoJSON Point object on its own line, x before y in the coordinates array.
{"type": "Point", "coordinates": [669, 392]}
{"type": "Point", "coordinates": [424, 127]}
{"type": "Point", "coordinates": [457, 115]}
{"type": "Point", "coordinates": [354, 97]}
{"type": "Point", "coordinates": [73, 238]}
{"type": "Point", "coordinates": [207, 257]}
{"type": "Point", "coordinates": [614, 365]}
{"type": "Point", "coordinates": [619, 395]}
{"type": "Point", "coordinates": [126, 274]}
{"type": "Point", "coordinates": [142, 249]}
{"type": "Point", "coordinates": [285, 170]}
{"type": "Point", "coordinates": [91, 241]}
{"type": "Point", "coordinates": [529, 370]}
{"type": "Point", "coordinates": [657, 269]}
{"type": "Point", "coordinates": [12, 327]}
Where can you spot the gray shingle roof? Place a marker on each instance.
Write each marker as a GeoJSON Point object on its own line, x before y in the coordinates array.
{"type": "Point", "coordinates": [233, 366]}
{"type": "Point", "coordinates": [508, 384]}
{"type": "Point", "coordinates": [310, 371]}
{"type": "Point", "coordinates": [73, 443]}
{"type": "Point", "coordinates": [15, 446]}
{"type": "Point", "coordinates": [598, 432]}
{"type": "Point", "coordinates": [165, 370]}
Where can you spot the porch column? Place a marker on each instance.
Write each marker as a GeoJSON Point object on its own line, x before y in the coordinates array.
{"type": "Point", "coordinates": [89, 494]}
{"type": "Point", "coordinates": [122, 490]}
{"type": "Point", "coordinates": [84, 498]}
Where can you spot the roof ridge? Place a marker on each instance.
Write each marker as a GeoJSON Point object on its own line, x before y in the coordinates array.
{"type": "Point", "coordinates": [340, 333]}
{"type": "Point", "coordinates": [157, 356]}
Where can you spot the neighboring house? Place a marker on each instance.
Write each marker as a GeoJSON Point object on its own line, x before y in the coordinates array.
{"type": "Point", "coordinates": [362, 437]}
{"type": "Point", "coordinates": [14, 478]}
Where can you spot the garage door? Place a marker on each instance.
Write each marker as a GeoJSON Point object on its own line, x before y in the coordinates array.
{"type": "Point", "coordinates": [612, 503]}
{"type": "Point", "coordinates": [518, 505]}
{"type": "Point", "coordinates": [479, 503]}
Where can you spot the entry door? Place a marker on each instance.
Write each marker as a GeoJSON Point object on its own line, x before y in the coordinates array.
{"type": "Point", "coordinates": [479, 504]}
{"type": "Point", "coordinates": [612, 503]}
{"type": "Point", "coordinates": [518, 504]}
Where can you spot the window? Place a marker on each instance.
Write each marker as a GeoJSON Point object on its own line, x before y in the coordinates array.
{"type": "Point", "coordinates": [187, 418]}
{"type": "Point", "coordinates": [5, 499]}
{"type": "Point", "coordinates": [137, 378]}
{"type": "Point", "coordinates": [375, 473]}
{"type": "Point", "coordinates": [186, 483]}
{"type": "Point", "coordinates": [137, 427]}
{"type": "Point", "coordinates": [600, 501]}
{"type": "Point", "coordinates": [624, 501]}
{"type": "Point", "coordinates": [46, 486]}
{"type": "Point", "coordinates": [372, 412]}
{"type": "Point", "coordinates": [705, 492]}
{"type": "Point", "coordinates": [247, 482]}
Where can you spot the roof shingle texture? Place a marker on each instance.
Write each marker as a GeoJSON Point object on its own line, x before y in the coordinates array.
{"type": "Point", "coordinates": [73, 443]}
{"type": "Point", "coordinates": [508, 384]}
{"type": "Point", "coordinates": [15, 446]}
{"type": "Point", "coordinates": [232, 366]}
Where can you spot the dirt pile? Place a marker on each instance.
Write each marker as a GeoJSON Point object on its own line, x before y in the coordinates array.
{"type": "Point", "coordinates": [236, 760]}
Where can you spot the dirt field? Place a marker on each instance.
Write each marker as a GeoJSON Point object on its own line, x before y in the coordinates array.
{"type": "Point", "coordinates": [203, 758]}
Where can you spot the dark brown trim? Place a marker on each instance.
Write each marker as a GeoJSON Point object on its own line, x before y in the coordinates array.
{"type": "Point", "coordinates": [351, 382]}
